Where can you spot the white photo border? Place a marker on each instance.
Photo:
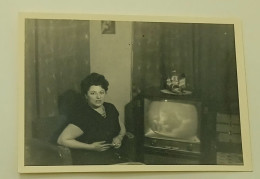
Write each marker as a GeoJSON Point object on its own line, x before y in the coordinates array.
{"type": "Point", "coordinates": [243, 103]}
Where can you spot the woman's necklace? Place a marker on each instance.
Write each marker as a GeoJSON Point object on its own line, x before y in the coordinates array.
{"type": "Point", "coordinates": [102, 111]}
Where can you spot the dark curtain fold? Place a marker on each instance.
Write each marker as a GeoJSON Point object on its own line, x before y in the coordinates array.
{"type": "Point", "coordinates": [63, 60]}
{"type": "Point", "coordinates": [177, 49]}
{"type": "Point", "coordinates": [147, 54]}
{"type": "Point", "coordinates": [204, 52]}
{"type": "Point", "coordinates": [56, 60]}
{"type": "Point", "coordinates": [30, 73]}
{"type": "Point", "coordinates": [214, 56]}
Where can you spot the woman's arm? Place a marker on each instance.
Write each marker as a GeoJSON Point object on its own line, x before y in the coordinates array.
{"type": "Point", "coordinates": [118, 139]}
{"type": "Point", "coordinates": [122, 128]}
{"type": "Point", "coordinates": [68, 138]}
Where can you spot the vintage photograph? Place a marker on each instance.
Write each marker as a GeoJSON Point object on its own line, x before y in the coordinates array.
{"type": "Point", "coordinates": [156, 93]}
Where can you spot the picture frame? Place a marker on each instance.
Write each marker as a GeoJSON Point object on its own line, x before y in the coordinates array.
{"type": "Point", "coordinates": [108, 27]}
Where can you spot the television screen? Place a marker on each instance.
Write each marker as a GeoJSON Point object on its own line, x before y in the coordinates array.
{"type": "Point", "coordinates": [170, 119]}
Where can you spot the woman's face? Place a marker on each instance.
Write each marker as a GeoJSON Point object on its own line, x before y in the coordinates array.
{"type": "Point", "coordinates": [95, 96]}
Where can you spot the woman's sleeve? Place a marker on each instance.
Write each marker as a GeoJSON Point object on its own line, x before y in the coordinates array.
{"type": "Point", "coordinates": [114, 110]}
{"type": "Point", "coordinates": [76, 119]}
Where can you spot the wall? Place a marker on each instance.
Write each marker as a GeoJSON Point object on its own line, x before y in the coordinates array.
{"type": "Point", "coordinates": [246, 11]}
{"type": "Point", "coordinates": [110, 55]}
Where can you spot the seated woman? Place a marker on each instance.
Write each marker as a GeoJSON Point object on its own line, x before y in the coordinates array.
{"type": "Point", "coordinates": [95, 132]}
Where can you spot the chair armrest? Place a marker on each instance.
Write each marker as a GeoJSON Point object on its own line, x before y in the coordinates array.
{"type": "Point", "coordinates": [43, 153]}
{"type": "Point", "coordinates": [129, 135]}
{"type": "Point", "coordinates": [65, 154]}
{"type": "Point", "coordinates": [126, 150]}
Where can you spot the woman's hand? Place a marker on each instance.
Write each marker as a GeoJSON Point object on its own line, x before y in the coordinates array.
{"type": "Point", "coordinates": [117, 142]}
{"type": "Point", "coordinates": [100, 146]}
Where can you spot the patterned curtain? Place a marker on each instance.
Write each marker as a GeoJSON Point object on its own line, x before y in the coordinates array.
{"type": "Point", "coordinates": [146, 69]}
{"type": "Point", "coordinates": [215, 61]}
{"type": "Point", "coordinates": [205, 53]}
{"type": "Point", "coordinates": [177, 49]}
{"type": "Point", "coordinates": [56, 60]}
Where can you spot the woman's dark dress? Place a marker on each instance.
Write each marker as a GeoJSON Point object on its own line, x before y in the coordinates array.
{"type": "Point", "coordinates": [96, 128]}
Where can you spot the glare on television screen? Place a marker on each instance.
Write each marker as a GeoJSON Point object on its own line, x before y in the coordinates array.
{"type": "Point", "coordinates": [172, 120]}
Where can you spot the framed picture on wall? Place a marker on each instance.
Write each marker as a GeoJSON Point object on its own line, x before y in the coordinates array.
{"type": "Point", "coordinates": [166, 93]}
{"type": "Point", "coordinates": [108, 27]}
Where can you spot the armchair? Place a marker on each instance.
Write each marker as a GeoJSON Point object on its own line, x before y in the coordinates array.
{"type": "Point", "coordinates": [42, 149]}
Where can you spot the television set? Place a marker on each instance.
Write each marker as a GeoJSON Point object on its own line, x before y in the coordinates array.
{"type": "Point", "coordinates": [170, 119]}
{"type": "Point", "coordinates": [167, 129]}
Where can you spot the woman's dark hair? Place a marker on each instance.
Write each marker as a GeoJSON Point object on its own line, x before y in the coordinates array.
{"type": "Point", "coordinates": [93, 79]}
